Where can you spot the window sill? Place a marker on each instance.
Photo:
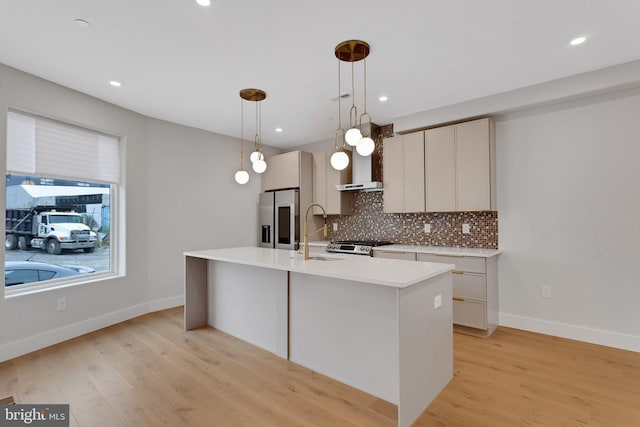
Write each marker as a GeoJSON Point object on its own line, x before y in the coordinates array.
{"type": "Point", "coordinates": [39, 287]}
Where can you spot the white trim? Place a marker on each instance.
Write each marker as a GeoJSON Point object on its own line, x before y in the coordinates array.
{"type": "Point", "coordinates": [55, 336]}
{"type": "Point", "coordinates": [573, 332]}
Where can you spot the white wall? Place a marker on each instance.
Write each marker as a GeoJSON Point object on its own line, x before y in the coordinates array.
{"type": "Point", "coordinates": [569, 215]}
{"type": "Point", "coordinates": [194, 201]}
{"type": "Point", "coordinates": [180, 195]}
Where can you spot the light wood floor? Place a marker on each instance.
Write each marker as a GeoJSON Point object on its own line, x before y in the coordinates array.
{"type": "Point", "coordinates": [148, 372]}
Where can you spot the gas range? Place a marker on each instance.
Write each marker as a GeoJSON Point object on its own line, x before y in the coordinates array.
{"type": "Point", "coordinates": [355, 247]}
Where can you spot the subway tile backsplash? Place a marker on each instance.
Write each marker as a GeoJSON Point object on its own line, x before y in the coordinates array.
{"type": "Point", "coordinates": [369, 221]}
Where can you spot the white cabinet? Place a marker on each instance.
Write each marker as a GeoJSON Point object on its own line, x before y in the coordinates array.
{"type": "Point", "coordinates": [475, 290]}
{"type": "Point", "coordinates": [445, 169]}
{"type": "Point", "coordinates": [325, 179]}
{"type": "Point", "coordinates": [403, 169]}
{"type": "Point", "coordinates": [440, 169]}
{"type": "Point", "coordinates": [475, 163]}
{"type": "Point", "coordinates": [286, 170]}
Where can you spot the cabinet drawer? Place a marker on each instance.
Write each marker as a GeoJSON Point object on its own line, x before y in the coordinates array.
{"type": "Point", "coordinates": [469, 286]}
{"type": "Point", "coordinates": [411, 256]}
{"type": "Point", "coordinates": [470, 313]}
{"type": "Point", "coordinates": [463, 263]}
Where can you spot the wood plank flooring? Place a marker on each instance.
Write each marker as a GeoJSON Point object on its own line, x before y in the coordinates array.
{"type": "Point", "coordinates": [148, 372]}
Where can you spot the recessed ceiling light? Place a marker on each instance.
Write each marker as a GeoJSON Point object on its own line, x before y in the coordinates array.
{"type": "Point", "coordinates": [115, 83]}
{"type": "Point", "coordinates": [577, 41]}
{"type": "Point", "coordinates": [278, 129]}
{"type": "Point", "coordinates": [383, 98]}
{"type": "Point", "coordinates": [82, 23]}
{"type": "Point", "coordinates": [204, 2]}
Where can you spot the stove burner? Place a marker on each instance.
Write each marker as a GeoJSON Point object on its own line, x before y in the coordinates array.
{"type": "Point", "coordinates": [358, 247]}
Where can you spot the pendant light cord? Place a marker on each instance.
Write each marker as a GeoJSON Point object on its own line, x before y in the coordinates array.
{"type": "Point", "coordinates": [353, 112]}
{"type": "Point", "coordinates": [339, 130]}
{"type": "Point", "coordinates": [241, 134]}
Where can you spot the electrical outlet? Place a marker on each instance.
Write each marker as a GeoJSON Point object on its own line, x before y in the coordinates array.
{"type": "Point", "coordinates": [427, 227]}
{"type": "Point", "coordinates": [437, 301]}
{"type": "Point", "coordinates": [62, 304]}
{"type": "Point", "coordinates": [466, 229]}
{"type": "Point", "coordinates": [546, 291]}
{"type": "Point", "coordinates": [335, 226]}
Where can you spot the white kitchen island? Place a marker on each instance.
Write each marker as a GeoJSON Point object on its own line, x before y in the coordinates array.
{"type": "Point", "coordinates": [382, 326]}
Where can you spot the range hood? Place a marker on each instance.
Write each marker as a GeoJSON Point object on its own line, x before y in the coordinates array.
{"type": "Point", "coordinates": [362, 175]}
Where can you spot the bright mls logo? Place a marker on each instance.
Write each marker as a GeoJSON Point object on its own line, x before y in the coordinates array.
{"type": "Point", "coordinates": [34, 415]}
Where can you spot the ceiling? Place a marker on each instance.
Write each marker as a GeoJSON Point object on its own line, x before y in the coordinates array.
{"type": "Point", "coordinates": [185, 63]}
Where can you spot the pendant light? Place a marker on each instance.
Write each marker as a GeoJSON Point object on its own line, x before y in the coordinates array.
{"type": "Point", "coordinates": [353, 135]}
{"type": "Point", "coordinates": [339, 159]}
{"type": "Point", "coordinates": [257, 158]}
{"type": "Point", "coordinates": [354, 51]}
{"type": "Point", "coordinates": [365, 146]}
{"type": "Point", "coordinates": [242, 176]}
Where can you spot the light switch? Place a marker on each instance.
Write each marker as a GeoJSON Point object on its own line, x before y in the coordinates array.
{"type": "Point", "coordinates": [466, 229]}
{"type": "Point", "coordinates": [437, 301]}
{"type": "Point", "coordinates": [335, 226]}
{"type": "Point", "coordinates": [427, 227]}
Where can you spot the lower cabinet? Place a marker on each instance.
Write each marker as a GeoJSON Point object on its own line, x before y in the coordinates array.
{"type": "Point", "coordinates": [475, 290]}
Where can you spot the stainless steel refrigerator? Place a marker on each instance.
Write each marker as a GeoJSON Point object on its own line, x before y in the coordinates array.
{"type": "Point", "coordinates": [280, 219]}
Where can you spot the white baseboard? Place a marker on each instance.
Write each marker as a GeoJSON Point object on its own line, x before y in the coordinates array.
{"type": "Point", "coordinates": [573, 332]}
{"type": "Point", "coordinates": [45, 339]}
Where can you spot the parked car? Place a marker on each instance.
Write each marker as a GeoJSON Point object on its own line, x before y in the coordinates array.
{"type": "Point", "coordinates": [19, 272]}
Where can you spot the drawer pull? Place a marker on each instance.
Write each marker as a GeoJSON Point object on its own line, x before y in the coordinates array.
{"type": "Point", "coordinates": [450, 255]}
{"type": "Point", "coordinates": [457, 271]}
{"type": "Point", "coordinates": [458, 299]}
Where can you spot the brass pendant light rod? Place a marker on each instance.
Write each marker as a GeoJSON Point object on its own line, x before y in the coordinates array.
{"type": "Point", "coordinates": [339, 130]}
{"type": "Point", "coordinates": [241, 134]}
{"type": "Point", "coordinates": [365, 101]}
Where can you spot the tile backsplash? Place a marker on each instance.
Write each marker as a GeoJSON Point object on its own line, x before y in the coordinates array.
{"type": "Point", "coordinates": [369, 221]}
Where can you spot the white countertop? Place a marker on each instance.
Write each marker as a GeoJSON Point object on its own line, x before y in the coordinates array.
{"type": "Point", "coordinates": [378, 271]}
{"type": "Point", "coordinates": [441, 250]}
{"type": "Point", "coordinates": [436, 250]}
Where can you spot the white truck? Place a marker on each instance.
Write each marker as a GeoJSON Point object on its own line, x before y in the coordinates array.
{"type": "Point", "coordinates": [48, 229]}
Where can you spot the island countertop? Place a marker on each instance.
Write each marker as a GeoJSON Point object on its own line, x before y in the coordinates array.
{"type": "Point", "coordinates": [378, 271]}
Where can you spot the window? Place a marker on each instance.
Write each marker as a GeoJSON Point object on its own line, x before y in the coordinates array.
{"type": "Point", "coordinates": [61, 187]}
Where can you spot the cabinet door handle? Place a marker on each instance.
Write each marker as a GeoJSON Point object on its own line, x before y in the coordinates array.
{"type": "Point", "coordinates": [458, 299]}
{"type": "Point", "coordinates": [457, 271]}
{"type": "Point", "coordinates": [451, 255]}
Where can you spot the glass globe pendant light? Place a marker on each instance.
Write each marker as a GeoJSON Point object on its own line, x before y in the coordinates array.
{"type": "Point", "coordinates": [242, 176]}
{"type": "Point", "coordinates": [257, 157]}
{"type": "Point", "coordinates": [353, 135]}
{"type": "Point", "coordinates": [339, 159]}
{"type": "Point", "coordinates": [354, 51]}
{"type": "Point", "coordinates": [365, 146]}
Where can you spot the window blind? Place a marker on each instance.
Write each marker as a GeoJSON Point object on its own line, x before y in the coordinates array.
{"type": "Point", "coordinates": [49, 148]}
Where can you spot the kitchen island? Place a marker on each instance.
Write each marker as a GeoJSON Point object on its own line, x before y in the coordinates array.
{"type": "Point", "coordinates": [382, 326]}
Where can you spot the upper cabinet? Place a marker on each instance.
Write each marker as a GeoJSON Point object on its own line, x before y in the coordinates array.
{"type": "Point", "coordinates": [440, 169]}
{"type": "Point", "coordinates": [403, 170]}
{"type": "Point", "coordinates": [445, 169]}
{"type": "Point", "coordinates": [325, 179]}
{"type": "Point", "coordinates": [287, 170]}
{"type": "Point", "coordinates": [475, 166]}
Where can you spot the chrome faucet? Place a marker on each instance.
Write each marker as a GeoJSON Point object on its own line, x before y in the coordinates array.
{"type": "Point", "coordinates": [306, 228]}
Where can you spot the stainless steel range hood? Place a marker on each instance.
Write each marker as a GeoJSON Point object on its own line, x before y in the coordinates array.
{"type": "Point", "coordinates": [362, 175]}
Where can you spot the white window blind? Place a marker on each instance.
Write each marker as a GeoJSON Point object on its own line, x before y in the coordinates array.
{"type": "Point", "coordinates": [48, 148]}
